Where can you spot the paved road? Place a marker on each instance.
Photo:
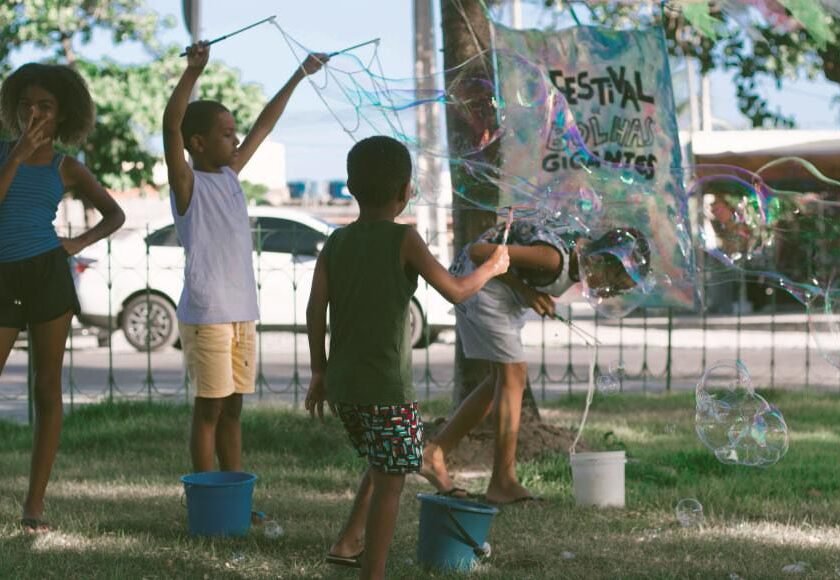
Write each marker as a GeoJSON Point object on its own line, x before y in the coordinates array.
{"type": "Point", "coordinates": [780, 358]}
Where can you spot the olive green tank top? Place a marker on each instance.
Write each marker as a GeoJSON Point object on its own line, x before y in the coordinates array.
{"type": "Point", "coordinates": [369, 359]}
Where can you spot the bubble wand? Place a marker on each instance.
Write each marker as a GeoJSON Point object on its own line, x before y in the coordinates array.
{"type": "Point", "coordinates": [349, 48]}
{"type": "Point", "coordinates": [579, 331]}
{"type": "Point", "coordinates": [507, 225]}
{"type": "Point", "coordinates": [235, 32]}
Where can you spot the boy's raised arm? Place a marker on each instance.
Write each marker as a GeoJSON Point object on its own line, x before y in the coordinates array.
{"type": "Point", "coordinates": [275, 107]}
{"type": "Point", "coordinates": [180, 175]}
{"type": "Point", "coordinates": [455, 289]}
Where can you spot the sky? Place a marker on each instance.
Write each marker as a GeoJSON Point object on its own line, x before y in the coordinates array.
{"type": "Point", "coordinates": [316, 145]}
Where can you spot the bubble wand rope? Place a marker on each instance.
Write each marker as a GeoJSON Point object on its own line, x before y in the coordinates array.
{"type": "Point", "coordinates": [579, 331]}
{"type": "Point", "coordinates": [590, 394]}
{"type": "Point", "coordinates": [235, 32]}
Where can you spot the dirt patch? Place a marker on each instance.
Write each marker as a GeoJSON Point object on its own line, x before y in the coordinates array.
{"type": "Point", "coordinates": [475, 451]}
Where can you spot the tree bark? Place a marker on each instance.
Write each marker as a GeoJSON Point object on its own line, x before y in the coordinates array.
{"type": "Point", "coordinates": [466, 34]}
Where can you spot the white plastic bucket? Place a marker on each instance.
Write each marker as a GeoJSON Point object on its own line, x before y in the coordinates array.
{"type": "Point", "coordinates": [598, 478]}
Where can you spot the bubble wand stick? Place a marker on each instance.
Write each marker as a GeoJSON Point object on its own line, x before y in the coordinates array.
{"type": "Point", "coordinates": [507, 225]}
{"type": "Point", "coordinates": [579, 331]}
{"type": "Point", "coordinates": [349, 48]}
{"type": "Point", "coordinates": [235, 32]}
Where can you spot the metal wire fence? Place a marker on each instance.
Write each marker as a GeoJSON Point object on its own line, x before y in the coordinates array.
{"type": "Point", "coordinates": [131, 286]}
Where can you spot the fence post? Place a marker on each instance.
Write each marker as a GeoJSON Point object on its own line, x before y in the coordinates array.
{"type": "Point", "coordinates": [71, 380]}
{"type": "Point", "coordinates": [30, 379]}
{"type": "Point", "coordinates": [669, 352]}
{"type": "Point", "coordinates": [261, 380]}
{"type": "Point", "coordinates": [149, 381]}
{"type": "Point", "coordinates": [111, 380]}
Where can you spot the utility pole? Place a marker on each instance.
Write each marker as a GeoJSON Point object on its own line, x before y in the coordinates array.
{"type": "Point", "coordinates": [516, 14]}
{"type": "Point", "coordinates": [192, 19]}
{"type": "Point", "coordinates": [431, 215]}
{"type": "Point", "coordinates": [706, 101]}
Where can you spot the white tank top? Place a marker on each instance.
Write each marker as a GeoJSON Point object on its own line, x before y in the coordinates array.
{"type": "Point", "coordinates": [219, 283]}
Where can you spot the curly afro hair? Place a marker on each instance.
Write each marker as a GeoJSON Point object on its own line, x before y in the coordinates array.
{"type": "Point", "coordinates": [75, 105]}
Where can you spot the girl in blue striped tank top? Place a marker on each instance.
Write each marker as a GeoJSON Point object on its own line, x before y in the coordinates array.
{"type": "Point", "coordinates": [39, 105]}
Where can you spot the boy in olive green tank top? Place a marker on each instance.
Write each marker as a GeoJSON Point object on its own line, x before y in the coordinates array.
{"type": "Point", "coordinates": [366, 274]}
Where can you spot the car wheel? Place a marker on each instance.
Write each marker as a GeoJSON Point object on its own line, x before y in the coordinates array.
{"type": "Point", "coordinates": [418, 340]}
{"type": "Point", "coordinates": [153, 311]}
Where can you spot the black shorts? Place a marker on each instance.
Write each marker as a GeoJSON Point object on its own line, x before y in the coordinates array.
{"type": "Point", "coordinates": [36, 290]}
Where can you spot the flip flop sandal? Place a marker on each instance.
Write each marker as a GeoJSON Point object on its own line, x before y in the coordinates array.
{"type": "Point", "coordinates": [349, 561]}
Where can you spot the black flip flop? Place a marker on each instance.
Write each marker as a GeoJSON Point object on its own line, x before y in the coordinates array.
{"type": "Point", "coordinates": [349, 561]}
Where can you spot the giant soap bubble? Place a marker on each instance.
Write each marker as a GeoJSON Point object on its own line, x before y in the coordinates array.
{"type": "Point", "coordinates": [738, 425]}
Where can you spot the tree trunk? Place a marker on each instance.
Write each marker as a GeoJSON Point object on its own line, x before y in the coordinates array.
{"type": "Point", "coordinates": [466, 34]}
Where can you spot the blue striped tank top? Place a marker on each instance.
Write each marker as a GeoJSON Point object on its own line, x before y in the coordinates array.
{"type": "Point", "coordinates": [28, 210]}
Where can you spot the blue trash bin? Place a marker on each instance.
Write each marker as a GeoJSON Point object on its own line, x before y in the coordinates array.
{"type": "Point", "coordinates": [219, 502]}
{"type": "Point", "coordinates": [453, 532]}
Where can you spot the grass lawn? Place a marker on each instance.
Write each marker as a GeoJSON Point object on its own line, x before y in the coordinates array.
{"type": "Point", "coordinates": [115, 499]}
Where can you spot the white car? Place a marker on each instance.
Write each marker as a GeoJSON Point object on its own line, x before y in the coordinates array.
{"type": "Point", "coordinates": [145, 273]}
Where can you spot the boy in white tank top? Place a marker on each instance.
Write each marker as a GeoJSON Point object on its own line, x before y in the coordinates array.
{"type": "Point", "coordinates": [218, 310]}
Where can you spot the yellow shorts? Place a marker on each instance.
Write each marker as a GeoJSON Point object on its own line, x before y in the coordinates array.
{"type": "Point", "coordinates": [221, 358]}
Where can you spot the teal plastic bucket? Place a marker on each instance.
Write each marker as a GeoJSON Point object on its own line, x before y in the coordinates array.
{"type": "Point", "coordinates": [219, 502]}
{"type": "Point", "coordinates": [453, 532]}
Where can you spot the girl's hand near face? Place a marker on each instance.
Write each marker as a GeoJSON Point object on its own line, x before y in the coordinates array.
{"type": "Point", "coordinates": [32, 138]}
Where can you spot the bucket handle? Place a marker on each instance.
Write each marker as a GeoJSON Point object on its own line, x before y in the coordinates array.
{"type": "Point", "coordinates": [479, 550]}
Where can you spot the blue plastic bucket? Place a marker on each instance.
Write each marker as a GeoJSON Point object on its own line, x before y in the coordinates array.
{"type": "Point", "coordinates": [453, 532]}
{"type": "Point", "coordinates": [219, 502]}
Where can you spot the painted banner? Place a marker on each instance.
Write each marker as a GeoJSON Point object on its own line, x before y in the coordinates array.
{"type": "Point", "coordinates": [587, 118]}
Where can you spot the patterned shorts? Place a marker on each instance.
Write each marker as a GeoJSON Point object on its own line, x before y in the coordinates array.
{"type": "Point", "coordinates": [390, 436]}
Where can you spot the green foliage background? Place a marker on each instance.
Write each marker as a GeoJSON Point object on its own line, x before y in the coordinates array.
{"type": "Point", "coordinates": [130, 98]}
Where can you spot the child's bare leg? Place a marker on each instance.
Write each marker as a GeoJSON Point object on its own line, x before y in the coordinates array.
{"type": "Point", "coordinates": [351, 540]}
{"type": "Point", "coordinates": [48, 340]}
{"type": "Point", "coordinates": [469, 414]}
{"type": "Point", "coordinates": [504, 485]}
{"type": "Point", "coordinates": [381, 521]}
{"type": "Point", "coordinates": [206, 414]}
{"type": "Point", "coordinates": [229, 434]}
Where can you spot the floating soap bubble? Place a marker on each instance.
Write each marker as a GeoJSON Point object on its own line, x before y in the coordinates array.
{"type": "Point", "coordinates": [607, 384]}
{"type": "Point", "coordinates": [589, 203]}
{"type": "Point", "coordinates": [824, 322]}
{"type": "Point", "coordinates": [610, 382]}
{"type": "Point", "coordinates": [689, 513]}
{"type": "Point", "coordinates": [614, 271]}
{"type": "Point", "coordinates": [738, 425]}
{"type": "Point", "coordinates": [273, 530]}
